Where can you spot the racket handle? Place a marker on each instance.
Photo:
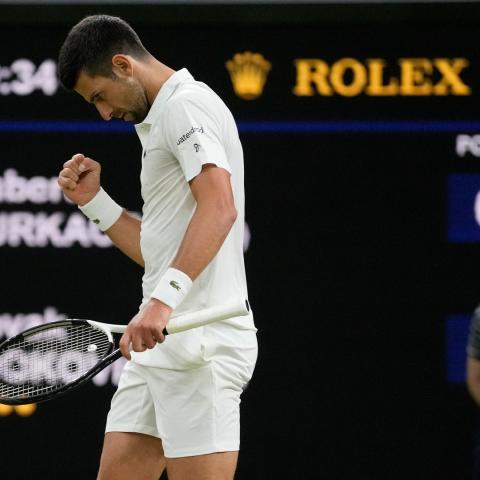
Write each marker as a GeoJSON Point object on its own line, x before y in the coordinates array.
{"type": "Point", "coordinates": [235, 308]}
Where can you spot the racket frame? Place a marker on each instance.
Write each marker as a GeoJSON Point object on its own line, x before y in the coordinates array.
{"type": "Point", "coordinates": [106, 360]}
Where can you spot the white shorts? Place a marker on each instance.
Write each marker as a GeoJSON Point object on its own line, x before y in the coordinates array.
{"type": "Point", "coordinates": [194, 409]}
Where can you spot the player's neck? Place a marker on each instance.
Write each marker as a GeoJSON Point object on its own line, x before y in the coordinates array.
{"type": "Point", "coordinates": [154, 75]}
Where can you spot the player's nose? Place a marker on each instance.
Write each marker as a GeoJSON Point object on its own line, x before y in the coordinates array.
{"type": "Point", "coordinates": [105, 111]}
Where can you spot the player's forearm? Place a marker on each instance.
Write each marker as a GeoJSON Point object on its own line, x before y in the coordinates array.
{"type": "Point", "coordinates": [205, 234]}
{"type": "Point", "coordinates": [125, 234]}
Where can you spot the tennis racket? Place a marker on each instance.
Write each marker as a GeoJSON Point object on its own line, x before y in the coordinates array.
{"type": "Point", "coordinates": [50, 360]}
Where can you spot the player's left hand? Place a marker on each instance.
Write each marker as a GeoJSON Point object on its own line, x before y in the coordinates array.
{"type": "Point", "coordinates": [145, 329]}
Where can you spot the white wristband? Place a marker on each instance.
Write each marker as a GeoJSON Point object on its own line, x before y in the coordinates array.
{"type": "Point", "coordinates": [172, 288]}
{"type": "Point", "coordinates": [102, 210]}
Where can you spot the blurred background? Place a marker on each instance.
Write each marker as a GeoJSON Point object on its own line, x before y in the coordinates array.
{"type": "Point", "coordinates": [361, 130]}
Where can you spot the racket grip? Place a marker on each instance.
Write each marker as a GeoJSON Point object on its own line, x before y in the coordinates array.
{"type": "Point", "coordinates": [235, 308]}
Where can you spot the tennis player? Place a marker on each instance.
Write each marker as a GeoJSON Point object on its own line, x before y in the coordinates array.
{"type": "Point", "coordinates": [177, 404]}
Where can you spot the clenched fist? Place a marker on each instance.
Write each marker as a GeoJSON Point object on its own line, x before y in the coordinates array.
{"type": "Point", "coordinates": [80, 179]}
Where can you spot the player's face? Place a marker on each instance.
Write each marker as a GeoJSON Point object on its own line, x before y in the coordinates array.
{"type": "Point", "coordinates": [114, 97]}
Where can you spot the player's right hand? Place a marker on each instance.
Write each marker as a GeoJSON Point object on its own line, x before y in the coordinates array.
{"type": "Point", "coordinates": [80, 179]}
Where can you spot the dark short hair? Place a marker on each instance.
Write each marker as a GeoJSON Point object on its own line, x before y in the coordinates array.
{"type": "Point", "coordinates": [91, 44]}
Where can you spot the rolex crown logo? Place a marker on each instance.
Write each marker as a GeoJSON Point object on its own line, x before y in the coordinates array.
{"type": "Point", "coordinates": [248, 72]}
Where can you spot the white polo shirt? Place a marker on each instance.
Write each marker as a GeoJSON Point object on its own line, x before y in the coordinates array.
{"type": "Point", "coordinates": [187, 126]}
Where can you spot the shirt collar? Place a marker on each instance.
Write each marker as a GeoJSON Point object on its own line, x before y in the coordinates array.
{"type": "Point", "coordinates": [164, 94]}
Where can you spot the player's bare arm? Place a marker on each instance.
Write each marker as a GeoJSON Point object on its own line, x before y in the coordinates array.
{"type": "Point", "coordinates": [214, 216]}
{"type": "Point", "coordinates": [125, 234]}
{"type": "Point", "coordinates": [80, 182]}
{"type": "Point", "coordinates": [473, 378]}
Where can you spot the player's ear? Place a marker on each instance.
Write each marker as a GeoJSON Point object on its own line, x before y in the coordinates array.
{"type": "Point", "coordinates": [122, 65]}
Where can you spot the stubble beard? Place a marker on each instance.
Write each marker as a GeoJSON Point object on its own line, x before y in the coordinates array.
{"type": "Point", "coordinates": [141, 108]}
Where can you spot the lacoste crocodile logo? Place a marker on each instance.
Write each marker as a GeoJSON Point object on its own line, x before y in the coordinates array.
{"type": "Point", "coordinates": [175, 285]}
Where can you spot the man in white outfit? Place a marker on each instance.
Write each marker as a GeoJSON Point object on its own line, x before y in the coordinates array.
{"type": "Point", "coordinates": [177, 404]}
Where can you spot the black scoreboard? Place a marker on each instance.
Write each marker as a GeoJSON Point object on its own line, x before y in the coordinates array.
{"type": "Point", "coordinates": [361, 134]}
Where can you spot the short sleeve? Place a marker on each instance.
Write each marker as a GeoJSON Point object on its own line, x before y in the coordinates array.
{"type": "Point", "coordinates": [193, 133]}
{"type": "Point", "coordinates": [473, 345]}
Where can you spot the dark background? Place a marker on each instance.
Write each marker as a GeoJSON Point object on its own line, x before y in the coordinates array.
{"type": "Point", "coordinates": [350, 273]}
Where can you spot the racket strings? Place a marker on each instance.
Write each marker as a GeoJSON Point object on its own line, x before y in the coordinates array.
{"type": "Point", "coordinates": [46, 360]}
